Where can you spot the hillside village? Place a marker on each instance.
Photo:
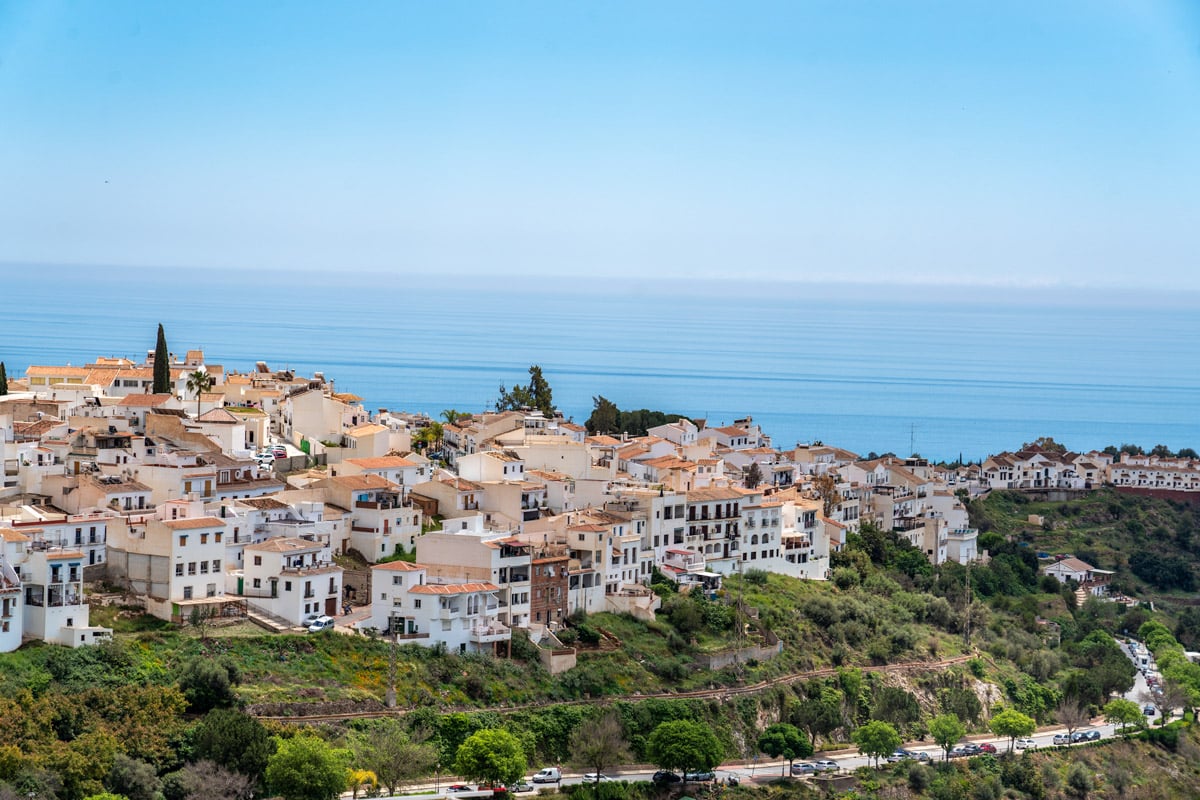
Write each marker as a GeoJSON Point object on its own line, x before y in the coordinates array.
{"type": "Point", "coordinates": [237, 494]}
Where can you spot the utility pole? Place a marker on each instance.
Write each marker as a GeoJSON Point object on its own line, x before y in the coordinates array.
{"type": "Point", "coordinates": [391, 690]}
{"type": "Point", "coordinates": [967, 626]}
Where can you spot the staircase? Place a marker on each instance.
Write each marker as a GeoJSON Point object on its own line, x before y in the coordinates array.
{"type": "Point", "coordinates": [1081, 596]}
{"type": "Point", "coordinates": [265, 619]}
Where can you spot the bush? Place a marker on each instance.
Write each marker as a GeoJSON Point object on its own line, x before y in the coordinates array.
{"type": "Point", "coordinates": [755, 577]}
{"type": "Point", "coordinates": [845, 577]}
{"type": "Point", "coordinates": [208, 684]}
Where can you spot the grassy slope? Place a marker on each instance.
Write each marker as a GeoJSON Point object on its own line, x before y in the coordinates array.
{"type": "Point", "coordinates": [1103, 528]}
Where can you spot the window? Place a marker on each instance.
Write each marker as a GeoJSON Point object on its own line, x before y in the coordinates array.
{"type": "Point", "coordinates": [258, 561]}
{"type": "Point", "coordinates": [191, 568]}
{"type": "Point", "coordinates": [211, 590]}
{"type": "Point", "coordinates": [287, 586]}
{"type": "Point", "coordinates": [216, 565]}
{"type": "Point", "coordinates": [397, 580]}
{"type": "Point", "coordinates": [218, 538]}
{"type": "Point", "coordinates": [187, 593]}
{"type": "Point", "coordinates": [183, 540]}
{"type": "Point", "coordinates": [258, 583]}
{"type": "Point", "coordinates": [204, 538]}
{"type": "Point", "coordinates": [203, 567]}
{"type": "Point", "coordinates": [417, 603]}
{"type": "Point", "coordinates": [179, 570]}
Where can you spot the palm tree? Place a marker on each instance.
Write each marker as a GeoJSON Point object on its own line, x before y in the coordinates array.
{"type": "Point", "coordinates": [199, 382]}
{"type": "Point", "coordinates": [452, 416]}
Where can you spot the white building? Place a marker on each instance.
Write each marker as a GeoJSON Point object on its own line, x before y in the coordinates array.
{"type": "Point", "coordinates": [290, 578]}
{"type": "Point", "coordinates": [464, 617]}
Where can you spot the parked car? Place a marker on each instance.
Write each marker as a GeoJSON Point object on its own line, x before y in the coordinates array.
{"type": "Point", "coordinates": [1062, 738]}
{"type": "Point", "coordinates": [279, 452]}
{"type": "Point", "coordinates": [1085, 736]}
{"type": "Point", "coordinates": [959, 752]}
{"type": "Point", "coordinates": [804, 768]}
{"type": "Point", "coordinates": [593, 777]}
{"type": "Point", "coordinates": [520, 786]}
{"type": "Point", "coordinates": [987, 747]}
{"type": "Point", "coordinates": [1026, 744]}
{"type": "Point", "coordinates": [548, 775]}
{"type": "Point", "coordinates": [827, 766]}
{"type": "Point", "coordinates": [321, 623]}
{"type": "Point", "coordinates": [664, 776]}
{"type": "Point", "coordinates": [899, 755]}
{"type": "Point", "coordinates": [699, 777]}
{"type": "Point", "coordinates": [972, 749]}
{"type": "Point", "coordinates": [1148, 711]}
{"type": "Point", "coordinates": [309, 619]}
{"type": "Point", "coordinates": [459, 787]}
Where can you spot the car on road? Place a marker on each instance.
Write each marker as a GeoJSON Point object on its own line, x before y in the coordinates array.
{"type": "Point", "coordinates": [548, 775]}
{"type": "Point", "coordinates": [665, 776]}
{"type": "Point", "coordinates": [1148, 711]}
{"type": "Point", "coordinates": [1084, 736]}
{"type": "Point", "coordinates": [1062, 738]}
{"type": "Point", "coordinates": [596, 777]}
{"type": "Point", "coordinates": [321, 623]}
{"type": "Point", "coordinates": [804, 768]}
{"type": "Point", "coordinates": [987, 747]}
{"type": "Point", "coordinates": [1026, 744]}
{"type": "Point", "coordinates": [699, 777]}
{"type": "Point", "coordinates": [459, 787]}
{"type": "Point", "coordinates": [959, 752]}
{"type": "Point", "coordinates": [520, 786]}
{"type": "Point", "coordinates": [907, 755]}
{"type": "Point", "coordinates": [826, 765]}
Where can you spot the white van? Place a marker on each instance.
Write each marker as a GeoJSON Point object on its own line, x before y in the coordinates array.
{"type": "Point", "coordinates": [548, 775]}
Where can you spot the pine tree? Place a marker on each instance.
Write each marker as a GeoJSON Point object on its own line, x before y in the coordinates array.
{"type": "Point", "coordinates": [162, 364]}
{"type": "Point", "coordinates": [3, 380]}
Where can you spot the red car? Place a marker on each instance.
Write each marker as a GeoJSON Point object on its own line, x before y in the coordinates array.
{"type": "Point", "coordinates": [987, 747]}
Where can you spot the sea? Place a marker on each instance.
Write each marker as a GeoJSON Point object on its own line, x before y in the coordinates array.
{"type": "Point", "coordinates": [948, 372]}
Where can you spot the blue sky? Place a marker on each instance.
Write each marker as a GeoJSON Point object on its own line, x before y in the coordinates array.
{"type": "Point", "coordinates": [1016, 144]}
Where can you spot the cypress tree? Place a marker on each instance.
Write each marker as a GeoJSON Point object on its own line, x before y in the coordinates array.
{"type": "Point", "coordinates": [162, 364]}
{"type": "Point", "coordinates": [3, 380]}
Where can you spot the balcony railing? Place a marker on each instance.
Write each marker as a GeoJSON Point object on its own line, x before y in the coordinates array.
{"type": "Point", "coordinates": [485, 634]}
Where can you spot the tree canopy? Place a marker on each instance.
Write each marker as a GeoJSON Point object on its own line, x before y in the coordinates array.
{"type": "Point", "coordinates": [305, 767]}
{"type": "Point", "coordinates": [607, 418]}
{"type": "Point", "coordinates": [536, 395]}
{"type": "Point", "coordinates": [207, 684]}
{"type": "Point", "coordinates": [684, 746]}
{"type": "Point", "coordinates": [162, 364]}
{"type": "Point", "coordinates": [387, 751]}
{"type": "Point", "coordinates": [876, 739]}
{"type": "Point", "coordinates": [783, 740]}
{"type": "Point", "coordinates": [492, 756]}
{"type": "Point", "coordinates": [599, 744]}
{"type": "Point", "coordinates": [1012, 723]}
{"type": "Point", "coordinates": [1120, 711]}
{"type": "Point", "coordinates": [235, 740]}
{"type": "Point", "coordinates": [946, 730]}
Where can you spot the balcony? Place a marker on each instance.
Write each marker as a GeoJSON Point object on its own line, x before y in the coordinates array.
{"type": "Point", "coordinates": [486, 634]}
